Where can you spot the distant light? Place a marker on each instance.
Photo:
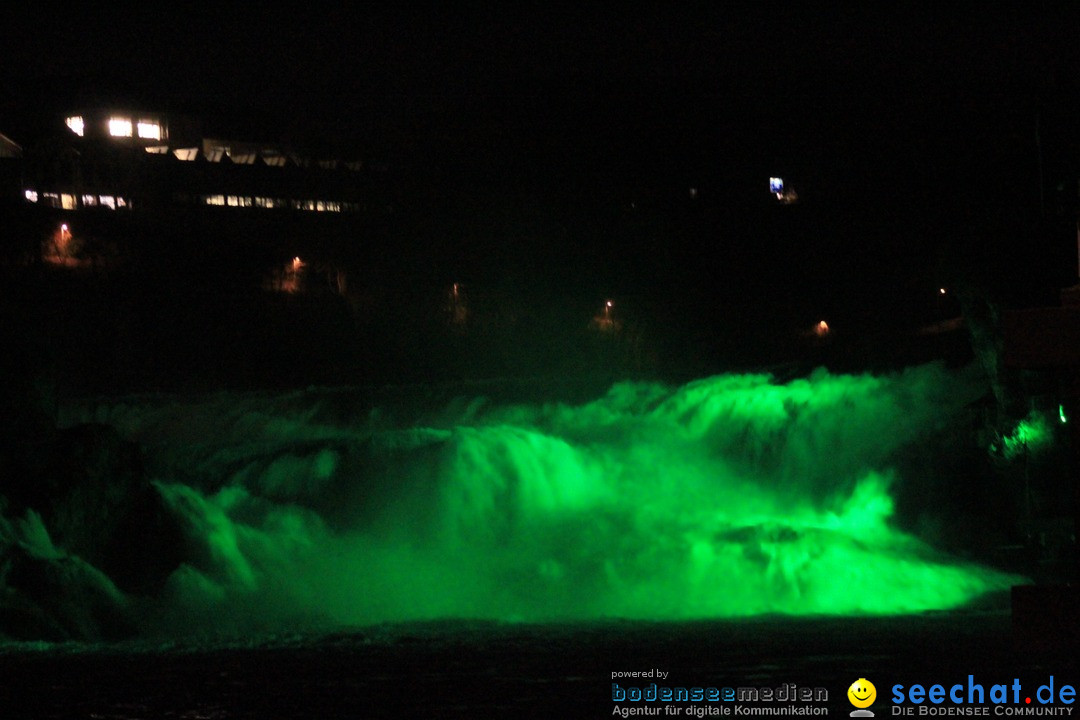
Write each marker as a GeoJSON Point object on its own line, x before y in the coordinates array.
{"type": "Point", "coordinates": [1061, 414]}
{"type": "Point", "coordinates": [75, 123]}
{"type": "Point", "coordinates": [149, 130]}
{"type": "Point", "coordinates": [776, 186]}
{"type": "Point", "coordinates": [941, 291]}
{"type": "Point", "coordinates": [31, 195]}
{"type": "Point", "coordinates": [120, 127]}
{"type": "Point", "coordinates": [821, 329]}
{"type": "Point", "coordinates": [609, 303]}
{"type": "Point", "coordinates": [693, 193]}
{"type": "Point", "coordinates": [64, 228]}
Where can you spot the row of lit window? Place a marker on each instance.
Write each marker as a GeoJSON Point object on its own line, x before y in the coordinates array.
{"type": "Point", "coordinates": [265, 202]}
{"type": "Point", "coordinates": [217, 154]}
{"type": "Point", "coordinates": [149, 129]}
{"type": "Point", "coordinates": [120, 127]}
{"type": "Point", "coordinates": [70, 201]}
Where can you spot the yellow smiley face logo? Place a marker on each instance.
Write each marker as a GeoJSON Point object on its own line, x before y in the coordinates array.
{"type": "Point", "coordinates": [862, 693]}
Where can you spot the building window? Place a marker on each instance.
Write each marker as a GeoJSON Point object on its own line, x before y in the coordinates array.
{"type": "Point", "coordinates": [89, 200]}
{"type": "Point", "coordinates": [149, 130]}
{"type": "Point", "coordinates": [186, 154]}
{"type": "Point", "coordinates": [31, 196]}
{"type": "Point", "coordinates": [108, 201]}
{"type": "Point", "coordinates": [68, 201]}
{"type": "Point", "coordinates": [214, 199]}
{"type": "Point", "coordinates": [120, 127]}
{"type": "Point", "coordinates": [75, 123]}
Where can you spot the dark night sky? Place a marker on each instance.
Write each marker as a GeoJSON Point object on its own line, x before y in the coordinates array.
{"type": "Point", "coordinates": [924, 104]}
{"type": "Point", "coordinates": [779, 79]}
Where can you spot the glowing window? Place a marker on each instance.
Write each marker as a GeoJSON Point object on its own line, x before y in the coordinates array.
{"type": "Point", "coordinates": [31, 195]}
{"type": "Point", "coordinates": [108, 201]}
{"type": "Point", "coordinates": [149, 130]}
{"type": "Point", "coordinates": [120, 127]}
{"type": "Point", "coordinates": [157, 149]}
{"type": "Point", "coordinates": [122, 203]}
{"type": "Point", "coordinates": [75, 123]}
{"type": "Point", "coordinates": [232, 201]}
{"type": "Point", "coordinates": [89, 200]}
{"type": "Point", "coordinates": [68, 201]}
{"type": "Point", "coordinates": [214, 199]}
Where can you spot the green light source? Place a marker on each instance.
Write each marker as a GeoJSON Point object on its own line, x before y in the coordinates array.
{"type": "Point", "coordinates": [1061, 414]}
{"type": "Point", "coordinates": [1031, 434]}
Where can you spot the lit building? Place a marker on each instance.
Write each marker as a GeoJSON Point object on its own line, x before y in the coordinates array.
{"type": "Point", "coordinates": [116, 159]}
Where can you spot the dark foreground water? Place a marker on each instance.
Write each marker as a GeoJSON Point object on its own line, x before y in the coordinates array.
{"type": "Point", "coordinates": [485, 669]}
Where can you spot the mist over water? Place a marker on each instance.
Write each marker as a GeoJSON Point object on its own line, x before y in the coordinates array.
{"type": "Point", "coordinates": [729, 496]}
